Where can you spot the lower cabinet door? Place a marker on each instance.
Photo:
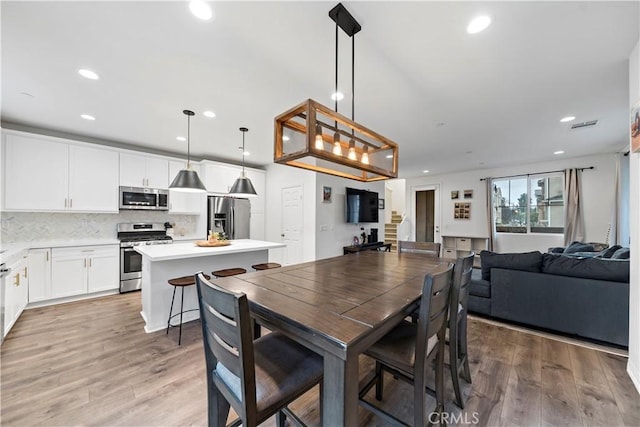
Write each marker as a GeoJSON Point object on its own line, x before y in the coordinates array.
{"type": "Point", "coordinates": [103, 269]}
{"type": "Point", "coordinates": [68, 272]}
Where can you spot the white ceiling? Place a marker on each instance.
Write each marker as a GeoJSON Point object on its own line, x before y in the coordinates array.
{"type": "Point", "coordinates": [500, 93]}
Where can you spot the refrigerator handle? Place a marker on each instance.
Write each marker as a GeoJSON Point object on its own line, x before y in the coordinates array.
{"type": "Point", "coordinates": [232, 221]}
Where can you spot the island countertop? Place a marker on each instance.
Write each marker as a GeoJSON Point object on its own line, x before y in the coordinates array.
{"type": "Point", "coordinates": [190, 250]}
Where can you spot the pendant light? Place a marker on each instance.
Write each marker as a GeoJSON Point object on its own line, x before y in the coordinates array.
{"type": "Point", "coordinates": [187, 179]}
{"type": "Point", "coordinates": [243, 186]}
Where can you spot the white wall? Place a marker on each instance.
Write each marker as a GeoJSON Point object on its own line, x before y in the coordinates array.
{"type": "Point", "coordinates": [279, 177]}
{"type": "Point", "coordinates": [332, 230]}
{"type": "Point", "coordinates": [597, 185]}
{"type": "Point", "coordinates": [633, 366]}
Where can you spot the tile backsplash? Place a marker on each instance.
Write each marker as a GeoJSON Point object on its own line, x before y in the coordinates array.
{"type": "Point", "coordinates": [37, 226]}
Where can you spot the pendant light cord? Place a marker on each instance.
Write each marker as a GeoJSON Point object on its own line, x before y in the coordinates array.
{"type": "Point", "coordinates": [353, 73]}
{"type": "Point", "coordinates": [188, 142]}
{"type": "Point", "coordinates": [243, 132]}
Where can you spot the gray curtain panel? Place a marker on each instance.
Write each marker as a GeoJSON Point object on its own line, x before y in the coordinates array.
{"type": "Point", "coordinates": [573, 220]}
{"type": "Point", "coordinates": [491, 226]}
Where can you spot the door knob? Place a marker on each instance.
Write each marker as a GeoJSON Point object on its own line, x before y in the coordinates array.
{"type": "Point", "coordinates": [282, 235]}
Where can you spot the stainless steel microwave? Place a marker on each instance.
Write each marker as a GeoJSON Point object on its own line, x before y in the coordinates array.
{"type": "Point", "coordinates": [152, 199]}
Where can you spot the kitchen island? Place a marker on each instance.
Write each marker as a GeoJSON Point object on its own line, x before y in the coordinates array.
{"type": "Point", "coordinates": [163, 262]}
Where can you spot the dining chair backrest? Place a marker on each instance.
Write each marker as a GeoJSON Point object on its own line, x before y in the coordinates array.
{"type": "Point", "coordinates": [228, 341]}
{"type": "Point", "coordinates": [434, 307]}
{"type": "Point", "coordinates": [425, 248]}
{"type": "Point", "coordinates": [461, 283]}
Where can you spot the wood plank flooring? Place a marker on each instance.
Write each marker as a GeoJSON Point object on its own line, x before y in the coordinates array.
{"type": "Point", "coordinates": [90, 363]}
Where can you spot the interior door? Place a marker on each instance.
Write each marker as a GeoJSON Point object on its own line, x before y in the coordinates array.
{"type": "Point", "coordinates": [426, 211]}
{"type": "Point", "coordinates": [292, 224]}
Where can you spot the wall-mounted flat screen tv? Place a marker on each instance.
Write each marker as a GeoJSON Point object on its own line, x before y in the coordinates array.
{"type": "Point", "coordinates": [362, 206]}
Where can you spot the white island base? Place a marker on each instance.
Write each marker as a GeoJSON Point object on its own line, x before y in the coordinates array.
{"type": "Point", "coordinates": [163, 262]}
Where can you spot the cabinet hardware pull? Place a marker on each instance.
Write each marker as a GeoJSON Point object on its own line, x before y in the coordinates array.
{"type": "Point", "coordinates": [90, 261]}
{"type": "Point", "coordinates": [65, 203]}
{"type": "Point", "coordinates": [85, 263]}
{"type": "Point", "coordinates": [16, 282]}
{"type": "Point", "coordinates": [26, 272]}
{"type": "Point", "coordinates": [70, 203]}
{"type": "Point", "coordinates": [47, 254]}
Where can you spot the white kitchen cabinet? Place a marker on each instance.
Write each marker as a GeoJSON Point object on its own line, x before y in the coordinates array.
{"type": "Point", "coordinates": [457, 246]}
{"type": "Point", "coordinates": [39, 266]}
{"type": "Point", "coordinates": [181, 202]}
{"type": "Point", "coordinates": [16, 292]}
{"type": "Point", "coordinates": [36, 174]}
{"type": "Point", "coordinates": [86, 269]}
{"type": "Point", "coordinates": [143, 171]}
{"type": "Point", "coordinates": [219, 177]}
{"type": "Point", "coordinates": [93, 179]}
{"type": "Point", "coordinates": [47, 174]}
{"type": "Point", "coordinates": [259, 180]}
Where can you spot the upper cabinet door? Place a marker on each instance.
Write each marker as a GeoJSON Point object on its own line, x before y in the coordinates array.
{"type": "Point", "coordinates": [181, 202]}
{"type": "Point", "coordinates": [93, 179]}
{"type": "Point", "coordinates": [133, 170]}
{"type": "Point", "coordinates": [143, 171]}
{"type": "Point", "coordinates": [258, 179]}
{"type": "Point", "coordinates": [36, 174]}
{"type": "Point", "coordinates": [219, 178]}
{"type": "Point", "coordinates": [157, 173]}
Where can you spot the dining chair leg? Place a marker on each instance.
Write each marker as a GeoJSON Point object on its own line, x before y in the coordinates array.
{"type": "Point", "coordinates": [464, 356]}
{"type": "Point", "coordinates": [454, 367]}
{"type": "Point", "coordinates": [379, 380]}
{"type": "Point", "coordinates": [218, 407]}
{"type": "Point", "coordinates": [440, 381]}
{"type": "Point", "coordinates": [280, 419]}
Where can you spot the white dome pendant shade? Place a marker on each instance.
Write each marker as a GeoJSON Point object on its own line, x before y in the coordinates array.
{"type": "Point", "coordinates": [187, 179]}
{"type": "Point", "coordinates": [243, 187]}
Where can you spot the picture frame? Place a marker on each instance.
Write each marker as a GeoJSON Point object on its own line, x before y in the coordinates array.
{"type": "Point", "coordinates": [326, 194]}
{"type": "Point", "coordinates": [380, 203]}
{"type": "Point", "coordinates": [455, 194]}
{"type": "Point", "coordinates": [468, 194]}
{"type": "Point", "coordinates": [635, 128]}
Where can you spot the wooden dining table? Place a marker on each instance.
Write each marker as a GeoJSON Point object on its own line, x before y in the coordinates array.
{"type": "Point", "coordinates": [338, 307]}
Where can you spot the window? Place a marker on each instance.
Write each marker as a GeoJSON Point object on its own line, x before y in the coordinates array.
{"type": "Point", "coordinates": [529, 204]}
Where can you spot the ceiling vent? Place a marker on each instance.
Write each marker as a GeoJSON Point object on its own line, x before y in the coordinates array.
{"type": "Point", "coordinates": [584, 124]}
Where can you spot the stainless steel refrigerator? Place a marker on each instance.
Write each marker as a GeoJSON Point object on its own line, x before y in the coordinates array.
{"type": "Point", "coordinates": [229, 215]}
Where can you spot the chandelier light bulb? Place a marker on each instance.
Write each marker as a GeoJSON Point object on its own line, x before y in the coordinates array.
{"type": "Point", "coordinates": [319, 141]}
{"type": "Point", "coordinates": [337, 148]}
{"type": "Point", "coordinates": [365, 155]}
{"type": "Point", "coordinates": [352, 150]}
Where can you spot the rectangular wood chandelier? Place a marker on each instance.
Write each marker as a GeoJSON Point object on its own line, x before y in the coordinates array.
{"type": "Point", "coordinates": [314, 137]}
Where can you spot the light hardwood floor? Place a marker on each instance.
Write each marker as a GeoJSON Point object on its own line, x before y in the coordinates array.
{"type": "Point", "coordinates": [90, 363]}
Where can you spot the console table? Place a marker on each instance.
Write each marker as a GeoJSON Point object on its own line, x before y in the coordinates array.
{"type": "Point", "coordinates": [375, 246]}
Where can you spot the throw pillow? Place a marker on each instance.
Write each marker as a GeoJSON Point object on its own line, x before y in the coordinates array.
{"type": "Point", "coordinates": [588, 268]}
{"type": "Point", "coordinates": [556, 250]}
{"type": "Point", "coordinates": [609, 251]}
{"type": "Point", "coordinates": [578, 247]}
{"type": "Point", "coordinates": [527, 261]}
{"type": "Point", "coordinates": [622, 253]}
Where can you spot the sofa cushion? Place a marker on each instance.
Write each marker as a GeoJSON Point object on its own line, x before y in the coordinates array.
{"type": "Point", "coordinates": [526, 261]}
{"type": "Point", "coordinates": [478, 286]}
{"type": "Point", "coordinates": [606, 253]}
{"type": "Point", "coordinates": [622, 253]}
{"type": "Point", "coordinates": [587, 268]}
{"type": "Point", "coordinates": [556, 250]}
{"type": "Point", "coordinates": [578, 247]}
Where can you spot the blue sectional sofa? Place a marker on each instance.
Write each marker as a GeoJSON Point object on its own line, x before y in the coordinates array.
{"type": "Point", "coordinates": [586, 297]}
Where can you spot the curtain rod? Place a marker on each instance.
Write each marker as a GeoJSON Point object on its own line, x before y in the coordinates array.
{"type": "Point", "coordinates": [529, 174]}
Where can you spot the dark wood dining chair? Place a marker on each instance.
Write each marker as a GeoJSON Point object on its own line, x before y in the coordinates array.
{"type": "Point", "coordinates": [425, 248]}
{"type": "Point", "coordinates": [408, 349]}
{"type": "Point", "coordinates": [257, 378]}
{"type": "Point", "coordinates": [457, 325]}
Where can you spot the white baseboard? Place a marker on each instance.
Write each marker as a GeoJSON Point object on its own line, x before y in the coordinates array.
{"type": "Point", "coordinates": [634, 374]}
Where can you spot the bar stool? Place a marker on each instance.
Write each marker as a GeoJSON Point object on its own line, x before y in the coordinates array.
{"type": "Point", "coordinates": [265, 266]}
{"type": "Point", "coordinates": [182, 282]}
{"type": "Point", "coordinates": [228, 272]}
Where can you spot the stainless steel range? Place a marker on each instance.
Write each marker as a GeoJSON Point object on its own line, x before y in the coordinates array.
{"type": "Point", "coordinates": [132, 235]}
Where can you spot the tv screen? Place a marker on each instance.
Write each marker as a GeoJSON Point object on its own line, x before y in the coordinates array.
{"type": "Point", "coordinates": [362, 206]}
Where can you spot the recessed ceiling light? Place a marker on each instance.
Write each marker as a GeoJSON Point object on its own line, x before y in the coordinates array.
{"type": "Point", "coordinates": [200, 9]}
{"type": "Point", "coordinates": [181, 138]}
{"type": "Point", "coordinates": [567, 119]}
{"type": "Point", "coordinates": [87, 117]}
{"type": "Point", "coordinates": [425, 171]}
{"type": "Point", "coordinates": [88, 74]}
{"type": "Point", "coordinates": [285, 138]}
{"type": "Point", "coordinates": [337, 96]}
{"type": "Point", "coordinates": [478, 24]}
{"type": "Point", "coordinates": [440, 124]}
{"type": "Point", "coordinates": [389, 156]}
{"type": "Point", "coordinates": [558, 152]}
{"type": "Point", "coordinates": [209, 114]}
